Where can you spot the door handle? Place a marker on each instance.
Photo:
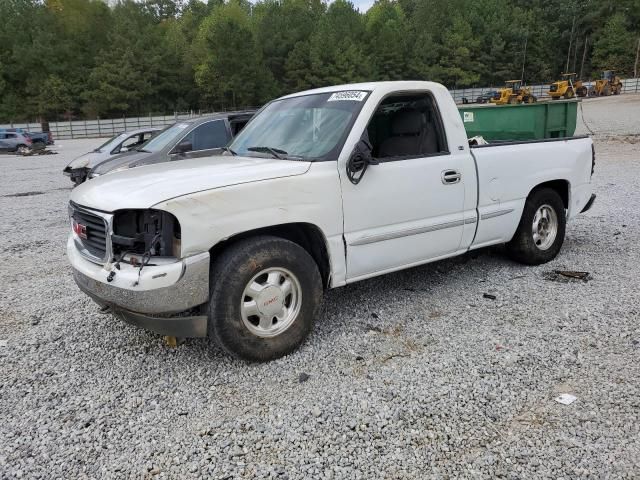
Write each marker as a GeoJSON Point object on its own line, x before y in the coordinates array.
{"type": "Point", "coordinates": [451, 177]}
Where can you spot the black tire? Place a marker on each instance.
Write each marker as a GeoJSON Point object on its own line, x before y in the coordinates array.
{"type": "Point", "coordinates": [522, 247]}
{"type": "Point", "coordinates": [22, 149]}
{"type": "Point", "coordinates": [231, 273]}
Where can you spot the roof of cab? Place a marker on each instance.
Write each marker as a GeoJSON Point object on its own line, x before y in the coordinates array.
{"type": "Point", "coordinates": [390, 86]}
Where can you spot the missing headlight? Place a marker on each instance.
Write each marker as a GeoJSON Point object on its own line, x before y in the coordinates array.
{"type": "Point", "coordinates": [140, 232]}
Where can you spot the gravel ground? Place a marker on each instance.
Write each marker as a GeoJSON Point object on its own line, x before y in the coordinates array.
{"type": "Point", "coordinates": [410, 375]}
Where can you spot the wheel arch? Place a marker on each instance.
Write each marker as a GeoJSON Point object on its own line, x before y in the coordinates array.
{"type": "Point", "coordinates": [307, 235]}
{"type": "Point", "coordinates": [561, 186]}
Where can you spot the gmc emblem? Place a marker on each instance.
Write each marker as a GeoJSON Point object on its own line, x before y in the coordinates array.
{"type": "Point", "coordinates": [79, 229]}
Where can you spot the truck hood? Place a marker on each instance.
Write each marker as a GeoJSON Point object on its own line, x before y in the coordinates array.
{"type": "Point", "coordinates": [146, 186]}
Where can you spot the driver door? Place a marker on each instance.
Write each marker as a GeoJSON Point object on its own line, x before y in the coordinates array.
{"type": "Point", "coordinates": [408, 209]}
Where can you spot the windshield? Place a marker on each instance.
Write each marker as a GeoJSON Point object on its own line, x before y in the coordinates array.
{"type": "Point", "coordinates": [164, 138]}
{"type": "Point", "coordinates": [310, 127]}
{"type": "Point", "coordinates": [112, 139]}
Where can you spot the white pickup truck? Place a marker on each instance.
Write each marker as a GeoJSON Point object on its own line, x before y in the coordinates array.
{"type": "Point", "coordinates": [322, 188]}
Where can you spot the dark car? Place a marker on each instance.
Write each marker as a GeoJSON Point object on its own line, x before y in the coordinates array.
{"type": "Point", "coordinates": [485, 97]}
{"type": "Point", "coordinates": [192, 138]}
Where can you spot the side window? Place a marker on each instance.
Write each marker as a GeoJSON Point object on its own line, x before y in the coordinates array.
{"type": "Point", "coordinates": [209, 135]}
{"type": "Point", "coordinates": [406, 126]}
{"type": "Point", "coordinates": [3, 136]}
{"type": "Point", "coordinates": [237, 125]}
{"type": "Point", "coordinates": [131, 142]}
{"type": "Point", "coordinates": [12, 135]}
{"type": "Point", "coordinates": [147, 135]}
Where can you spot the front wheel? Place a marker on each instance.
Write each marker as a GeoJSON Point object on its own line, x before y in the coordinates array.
{"type": "Point", "coordinates": [265, 293]}
{"type": "Point", "coordinates": [540, 233]}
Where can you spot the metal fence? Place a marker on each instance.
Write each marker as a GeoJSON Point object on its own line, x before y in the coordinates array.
{"type": "Point", "coordinates": [113, 126]}
{"type": "Point", "coordinates": [103, 128]}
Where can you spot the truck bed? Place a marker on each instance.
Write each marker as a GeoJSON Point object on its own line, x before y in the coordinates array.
{"type": "Point", "coordinates": [507, 171]}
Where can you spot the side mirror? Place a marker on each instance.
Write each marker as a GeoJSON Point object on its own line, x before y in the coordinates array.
{"type": "Point", "coordinates": [359, 160]}
{"type": "Point", "coordinates": [183, 147]}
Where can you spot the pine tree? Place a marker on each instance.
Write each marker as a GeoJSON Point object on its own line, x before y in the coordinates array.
{"type": "Point", "coordinates": [231, 73]}
{"type": "Point", "coordinates": [613, 50]}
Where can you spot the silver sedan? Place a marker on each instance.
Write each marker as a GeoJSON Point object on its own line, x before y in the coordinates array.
{"type": "Point", "coordinates": [78, 169]}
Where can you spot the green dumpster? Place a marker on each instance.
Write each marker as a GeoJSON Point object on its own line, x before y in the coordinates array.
{"type": "Point", "coordinates": [533, 121]}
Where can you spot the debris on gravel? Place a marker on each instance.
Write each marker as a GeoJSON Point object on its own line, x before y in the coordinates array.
{"type": "Point", "coordinates": [410, 376]}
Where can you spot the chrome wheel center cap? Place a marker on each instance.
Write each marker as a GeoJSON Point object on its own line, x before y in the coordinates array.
{"type": "Point", "coordinates": [270, 301]}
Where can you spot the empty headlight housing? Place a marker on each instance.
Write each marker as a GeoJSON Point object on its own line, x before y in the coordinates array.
{"type": "Point", "coordinates": [153, 232]}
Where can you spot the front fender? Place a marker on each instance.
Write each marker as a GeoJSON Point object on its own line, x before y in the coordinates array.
{"type": "Point", "coordinates": [210, 217]}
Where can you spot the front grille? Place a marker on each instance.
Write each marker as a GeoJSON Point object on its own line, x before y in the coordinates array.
{"type": "Point", "coordinates": [95, 229]}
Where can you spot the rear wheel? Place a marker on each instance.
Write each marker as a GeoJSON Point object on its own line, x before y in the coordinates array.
{"type": "Point", "coordinates": [265, 293]}
{"type": "Point", "coordinates": [540, 233]}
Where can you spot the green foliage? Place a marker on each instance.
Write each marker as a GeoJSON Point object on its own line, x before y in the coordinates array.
{"type": "Point", "coordinates": [613, 49]}
{"type": "Point", "coordinates": [231, 72]}
{"type": "Point", "coordinates": [386, 41]}
{"type": "Point", "coordinates": [75, 58]}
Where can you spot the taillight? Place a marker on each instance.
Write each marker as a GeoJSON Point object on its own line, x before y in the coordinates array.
{"type": "Point", "coordinates": [28, 141]}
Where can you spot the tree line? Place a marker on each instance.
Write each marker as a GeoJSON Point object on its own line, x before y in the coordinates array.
{"type": "Point", "coordinates": [87, 58]}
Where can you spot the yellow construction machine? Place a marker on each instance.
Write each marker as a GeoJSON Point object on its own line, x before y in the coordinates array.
{"type": "Point", "coordinates": [568, 87]}
{"type": "Point", "coordinates": [512, 93]}
{"type": "Point", "coordinates": [608, 84]}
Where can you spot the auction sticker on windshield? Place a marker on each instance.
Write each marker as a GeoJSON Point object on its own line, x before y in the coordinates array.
{"type": "Point", "coordinates": [352, 95]}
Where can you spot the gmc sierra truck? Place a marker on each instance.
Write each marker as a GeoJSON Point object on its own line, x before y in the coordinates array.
{"type": "Point", "coordinates": [321, 189]}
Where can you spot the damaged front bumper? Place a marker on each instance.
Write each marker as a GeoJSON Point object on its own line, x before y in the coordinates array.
{"type": "Point", "coordinates": [159, 298]}
{"type": "Point", "coordinates": [77, 175]}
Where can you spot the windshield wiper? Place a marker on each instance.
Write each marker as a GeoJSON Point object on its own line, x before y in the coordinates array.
{"type": "Point", "coordinates": [276, 152]}
{"type": "Point", "coordinates": [227, 149]}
